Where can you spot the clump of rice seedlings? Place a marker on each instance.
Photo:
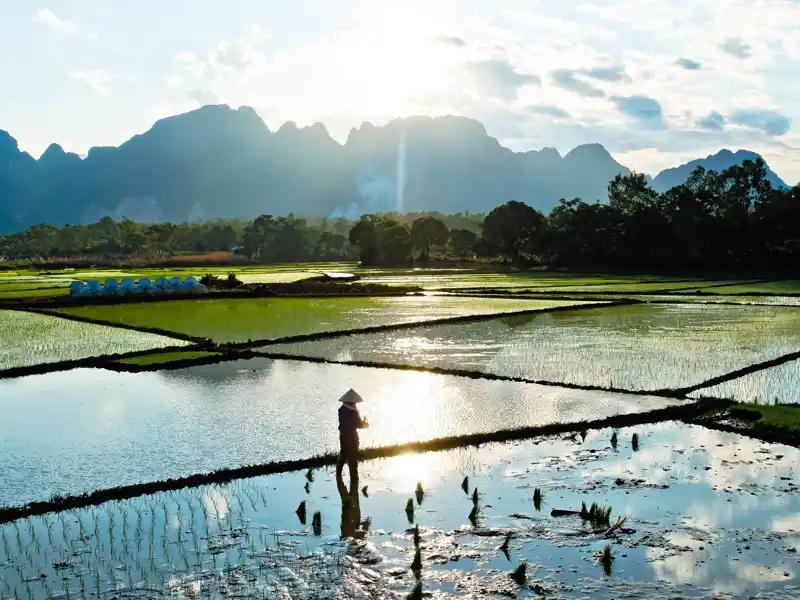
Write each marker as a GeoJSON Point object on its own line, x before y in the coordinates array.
{"type": "Point", "coordinates": [410, 510]}
{"type": "Point", "coordinates": [474, 515]}
{"type": "Point", "coordinates": [416, 593]}
{"type": "Point", "coordinates": [416, 564]}
{"type": "Point", "coordinates": [310, 475]}
{"type": "Point", "coordinates": [614, 439]}
{"type": "Point", "coordinates": [606, 559]}
{"type": "Point", "coordinates": [308, 487]}
{"type": "Point", "coordinates": [301, 512]}
{"type": "Point", "coordinates": [583, 435]}
{"type": "Point", "coordinates": [595, 513]}
{"type": "Point", "coordinates": [465, 485]}
{"type": "Point", "coordinates": [366, 524]}
{"type": "Point", "coordinates": [520, 574]}
{"type": "Point", "coordinates": [537, 499]}
{"type": "Point", "coordinates": [419, 493]}
{"type": "Point", "coordinates": [635, 442]}
{"type": "Point", "coordinates": [416, 536]}
{"type": "Point", "coordinates": [316, 523]}
{"type": "Point", "coordinates": [475, 497]}
{"type": "Point", "coordinates": [365, 491]}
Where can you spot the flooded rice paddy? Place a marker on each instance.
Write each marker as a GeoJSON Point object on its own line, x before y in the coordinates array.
{"type": "Point", "coordinates": [28, 339]}
{"type": "Point", "coordinates": [707, 515]}
{"type": "Point", "coordinates": [74, 431]}
{"type": "Point", "coordinates": [638, 347]}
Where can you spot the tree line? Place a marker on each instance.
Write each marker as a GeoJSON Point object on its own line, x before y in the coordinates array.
{"type": "Point", "coordinates": [728, 219]}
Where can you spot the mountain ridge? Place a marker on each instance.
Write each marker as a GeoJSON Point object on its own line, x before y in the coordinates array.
{"type": "Point", "coordinates": [218, 161]}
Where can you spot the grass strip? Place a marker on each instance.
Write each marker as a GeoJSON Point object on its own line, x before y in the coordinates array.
{"type": "Point", "coordinates": [685, 411]}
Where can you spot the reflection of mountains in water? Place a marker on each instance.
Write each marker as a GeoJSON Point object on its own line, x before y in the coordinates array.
{"type": "Point", "coordinates": [243, 371]}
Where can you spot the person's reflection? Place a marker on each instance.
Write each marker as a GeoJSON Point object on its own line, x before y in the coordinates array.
{"type": "Point", "coordinates": [351, 506]}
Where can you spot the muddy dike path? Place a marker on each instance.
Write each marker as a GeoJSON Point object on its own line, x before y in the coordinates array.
{"type": "Point", "coordinates": [692, 513]}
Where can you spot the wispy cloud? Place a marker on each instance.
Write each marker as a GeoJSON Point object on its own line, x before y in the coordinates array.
{"type": "Point", "coordinates": [713, 122]}
{"type": "Point", "coordinates": [566, 79]}
{"type": "Point", "coordinates": [770, 122]}
{"type": "Point", "coordinates": [688, 64]}
{"type": "Point", "coordinates": [97, 80]}
{"type": "Point", "coordinates": [47, 18]}
{"type": "Point", "coordinates": [737, 47]}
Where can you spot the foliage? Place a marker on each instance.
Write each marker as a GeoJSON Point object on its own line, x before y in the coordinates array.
{"type": "Point", "coordinates": [515, 230]}
{"type": "Point", "coordinates": [381, 241]}
{"type": "Point", "coordinates": [427, 233]}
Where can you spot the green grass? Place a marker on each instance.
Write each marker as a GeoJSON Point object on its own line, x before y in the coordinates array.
{"type": "Point", "coordinates": [46, 292]}
{"type": "Point", "coordinates": [240, 320]}
{"type": "Point", "coordinates": [28, 339]}
{"type": "Point", "coordinates": [786, 286]}
{"type": "Point", "coordinates": [636, 347]}
{"type": "Point", "coordinates": [165, 357]}
{"type": "Point", "coordinates": [775, 415]}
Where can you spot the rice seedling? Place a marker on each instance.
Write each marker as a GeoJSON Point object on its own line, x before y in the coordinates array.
{"type": "Point", "coordinates": [506, 545]}
{"type": "Point", "coordinates": [307, 488]}
{"type": "Point", "coordinates": [301, 512]}
{"type": "Point", "coordinates": [416, 592]}
{"type": "Point", "coordinates": [416, 535]}
{"type": "Point", "coordinates": [537, 498]}
{"type": "Point", "coordinates": [474, 515]}
{"type": "Point", "coordinates": [635, 442]}
{"type": "Point", "coordinates": [520, 574]}
{"type": "Point", "coordinates": [583, 435]}
{"type": "Point", "coordinates": [365, 491]}
{"type": "Point", "coordinates": [419, 493]}
{"type": "Point", "coordinates": [465, 485]}
{"type": "Point", "coordinates": [606, 559]}
{"type": "Point", "coordinates": [416, 564]}
{"type": "Point", "coordinates": [410, 510]}
{"type": "Point", "coordinates": [475, 497]}
{"type": "Point", "coordinates": [614, 439]}
{"type": "Point", "coordinates": [316, 523]}
{"type": "Point", "coordinates": [310, 475]}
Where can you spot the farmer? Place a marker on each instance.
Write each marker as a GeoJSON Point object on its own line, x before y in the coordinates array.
{"type": "Point", "coordinates": [350, 422]}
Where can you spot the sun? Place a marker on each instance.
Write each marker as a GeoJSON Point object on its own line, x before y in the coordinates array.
{"type": "Point", "coordinates": [387, 63]}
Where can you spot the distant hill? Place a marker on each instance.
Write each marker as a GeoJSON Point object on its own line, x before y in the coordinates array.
{"type": "Point", "coordinates": [220, 162]}
{"type": "Point", "coordinates": [720, 161]}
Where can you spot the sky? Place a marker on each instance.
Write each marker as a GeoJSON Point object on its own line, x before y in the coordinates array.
{"type": "Point", "coordinates": [656, 82]}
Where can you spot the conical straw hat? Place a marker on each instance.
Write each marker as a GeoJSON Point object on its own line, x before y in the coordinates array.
{"type": "Point", "coordinates": [351, 396]}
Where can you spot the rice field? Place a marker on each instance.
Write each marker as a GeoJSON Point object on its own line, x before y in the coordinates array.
{"type": "Point", "coordinates": [28, 339]}
{"type": "Point", "coordinates": [240, 320]}
{"type": "Point", "coordinates": [775, 385]}
{"type": "Point", "coordinates": [638, 347]}
{"type": "Point", "coordinates": [247, 538]}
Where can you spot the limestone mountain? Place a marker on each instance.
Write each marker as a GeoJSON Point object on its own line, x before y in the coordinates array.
{"type": "Point", "coordinates": [220, 162]}
{"type": "Point", "coordinates": [720, 161]}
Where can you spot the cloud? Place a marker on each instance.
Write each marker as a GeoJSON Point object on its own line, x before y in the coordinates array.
{"type": "Point", "coordinates": [188, 61]}
{"type": "Point", "coordinates": [737, 47]}
{"type": "Point", "coordinates": [257, 33]}
{"type": "Point", "coordinates": [236, 56]}
{"type": "Point", "coordinates": [565, 78]}
{"type": "Point", "coordinates": [616, 73]}
{"type": "Point", "coordinates": [174, 82]}
{"type": "Point", "coordinates": [498, 79]}
{"type": "Point", "coordinates": [769, 122]}
{"type": "Point", "coordinates": [97, 80]}
{"type": "Point", "coordinates": [203, 96]}
{"type": "Point", "coordinates": [451, 40]}
{"type": "Point", "coordinates": [47, 18]}
{"type": "Point", "coordinates": [550, 110]}
{"type": "Point", "coordinates": [639, 107]}
{"type": "Point", "coordinates": [713, 122]}
{"type": "Point", "coordinates": [688, 64]}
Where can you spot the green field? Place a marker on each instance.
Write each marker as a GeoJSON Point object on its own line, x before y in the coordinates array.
{"type": "Point", "coordinates": [240, 320]}
{"type": "Point", "coordinates": [786, 286]}
{"type": "Point", "coordinates": [163, 358]}
{"type": "Point", "coordinates": [28, 339]}
{"type": "Point", "coordinates": [637, 347]}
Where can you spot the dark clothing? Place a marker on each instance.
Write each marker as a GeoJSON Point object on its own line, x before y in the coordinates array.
{"type": "Point", "coordinates": [349, 424]}
{"type": "Point", "coordinates": [349, 421]}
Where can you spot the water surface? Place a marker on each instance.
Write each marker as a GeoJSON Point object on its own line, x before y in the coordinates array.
{"type": "Point", "coordinates": [69, 432]}
{"type": "Point", "coordinates": [708, 515]}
